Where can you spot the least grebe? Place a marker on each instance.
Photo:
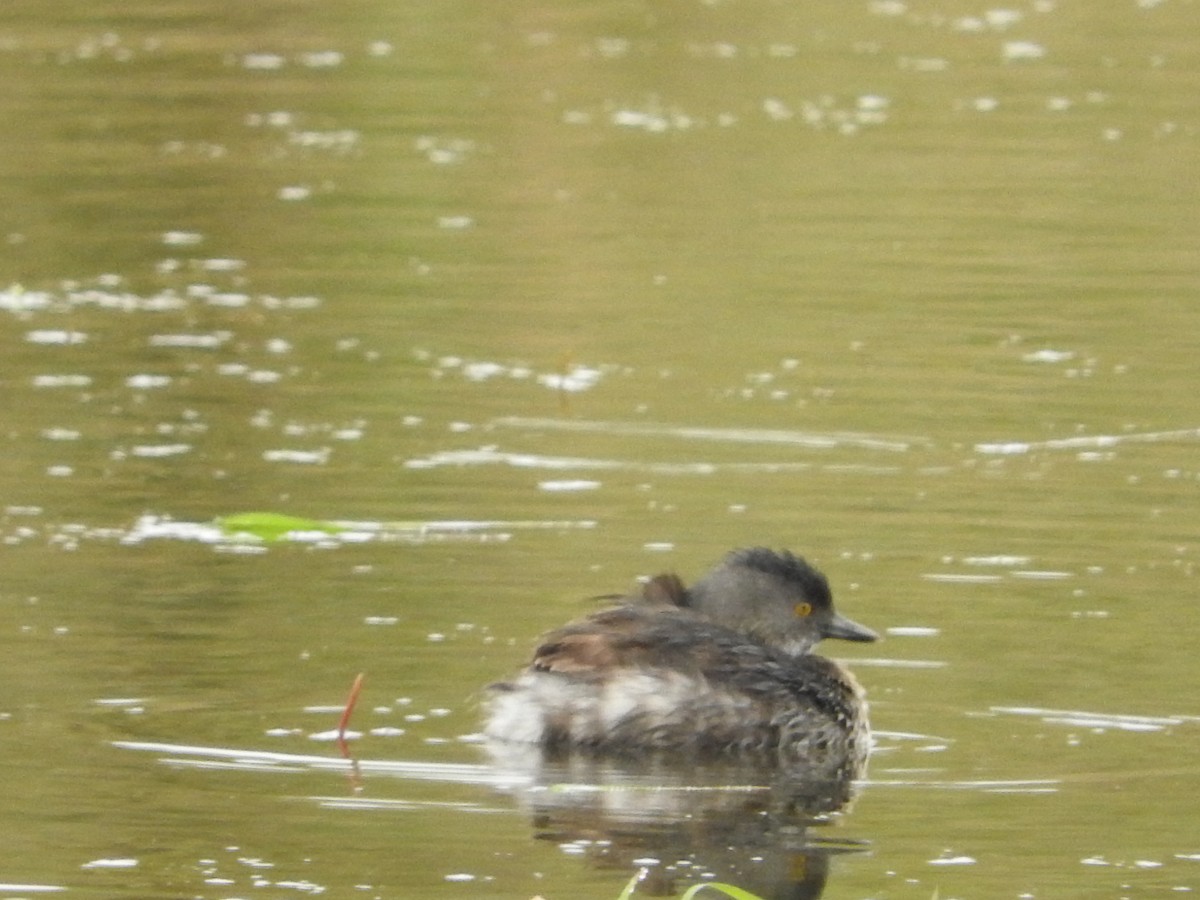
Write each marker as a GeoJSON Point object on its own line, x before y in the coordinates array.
{"type": "Point", "coordinates": [722, 667]}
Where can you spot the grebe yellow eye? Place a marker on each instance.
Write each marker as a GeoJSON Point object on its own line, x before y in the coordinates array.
{"type": "Point", "coordinates": [802, 609]}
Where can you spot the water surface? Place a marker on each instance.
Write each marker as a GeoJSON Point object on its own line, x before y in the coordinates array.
{"type": "Point", "coordinates": [536, 300]}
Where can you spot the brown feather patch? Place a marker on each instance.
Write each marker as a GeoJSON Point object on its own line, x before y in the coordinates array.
{"type": "Point", "coordinates": [667, 589]}
{"type": "Point", "coordinates": [586, 652]}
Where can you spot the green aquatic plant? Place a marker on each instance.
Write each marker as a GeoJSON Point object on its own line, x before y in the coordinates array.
{"type": "Point", "coordinates": [729, 890]}
{"type": "Point", "coordinates": [268, 526]}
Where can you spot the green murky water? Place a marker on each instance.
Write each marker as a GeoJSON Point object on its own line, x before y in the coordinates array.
{"type": "Point", "coordinates": [532, 299]}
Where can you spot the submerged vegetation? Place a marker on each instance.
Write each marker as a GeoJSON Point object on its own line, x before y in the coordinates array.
{"type": "Point", "coordinates": [268, 526]}
{"type": "Point", "coordinates": [728, 890]}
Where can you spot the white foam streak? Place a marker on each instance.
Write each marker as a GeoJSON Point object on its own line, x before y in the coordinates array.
{"type": "Point", "coordinates": [1082, 719]}
{"type": "Point", "coordinates": [192, 756]}
{"type": "Point", "coordinates": [483, 456]}
{"type": "Point", "coordinates": [1089, 442]}
{"type": "Point", "coordinates": [809, 439]}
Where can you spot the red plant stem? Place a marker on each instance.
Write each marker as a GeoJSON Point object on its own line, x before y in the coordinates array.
{"type": "Point", "coordinates": [355, 690]}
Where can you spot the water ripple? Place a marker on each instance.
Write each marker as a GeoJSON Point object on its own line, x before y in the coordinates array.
{"type": "Point", "coordinates": [1081, 719]}
{"type": "Point", "coordinates": [770, 436]}
{"type": "Point", "coordinates": [1089, 442]}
